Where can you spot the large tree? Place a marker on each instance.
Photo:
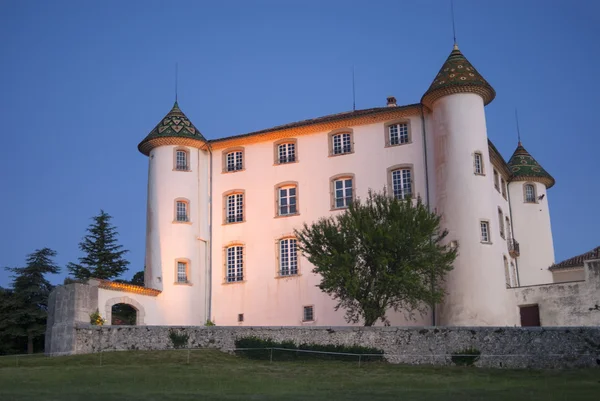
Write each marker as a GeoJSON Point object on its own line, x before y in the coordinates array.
{"type": "Point", "coordinates": [103, 257]}
{"type": "Point", "coordinates": [380, 253]}
{"type": "Point", "coordinates": [28, 298]}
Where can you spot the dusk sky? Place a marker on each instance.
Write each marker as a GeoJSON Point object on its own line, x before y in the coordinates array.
{"type": "Point", "coordinates": [82, 83]}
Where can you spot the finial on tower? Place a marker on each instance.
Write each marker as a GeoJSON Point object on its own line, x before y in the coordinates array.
{"type": "Point", "coordinates": [518, 131]}
{"type": "Point", "coordinates": [176, 76]}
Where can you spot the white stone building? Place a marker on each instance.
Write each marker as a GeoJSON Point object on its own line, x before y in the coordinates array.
{"type": "Point", "coordinates": [221, 213]}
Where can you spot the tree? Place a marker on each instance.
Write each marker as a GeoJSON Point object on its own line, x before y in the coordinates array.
{"type": "Point", "coordinates": [138, 278]}
{"type": "Point", "coordinates": [29, 297]}
{"type": "Point", "coordinates": [103, 256]}
{"type": "Point", "coordinates": [379, 254]}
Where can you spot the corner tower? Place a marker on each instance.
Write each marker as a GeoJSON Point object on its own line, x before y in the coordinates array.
{"type": "Point", "coordinates": [530, 210]}
{"type": "Point", "coordinates": [462, 192]}
{"type": "Point", "coordinates": [177, 227]}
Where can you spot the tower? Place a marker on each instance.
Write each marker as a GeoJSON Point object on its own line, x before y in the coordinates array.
{"type": "Point", "coordinates": [462, 192]}
{"type": "Point", "coordinates": [531, 217]}
{"type": "Point", "coordinates": [177, 226]}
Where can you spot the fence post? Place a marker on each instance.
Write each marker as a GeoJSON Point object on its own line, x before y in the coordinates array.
{"type": "Point", "coordinates": [271, 355]}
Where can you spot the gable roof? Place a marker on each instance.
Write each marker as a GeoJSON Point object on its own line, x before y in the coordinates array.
{"type": "Point", "coordinates": [578, 260]}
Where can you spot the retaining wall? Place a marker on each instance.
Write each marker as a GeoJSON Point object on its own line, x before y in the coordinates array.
{"type": "Point", "coordinates": [505, 347]}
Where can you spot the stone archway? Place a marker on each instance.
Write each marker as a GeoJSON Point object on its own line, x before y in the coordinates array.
{"type": "Point", "coordinates": [140, 312]}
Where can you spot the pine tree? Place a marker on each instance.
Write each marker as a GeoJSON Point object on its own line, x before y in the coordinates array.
{"type": "Point", "coordinates": [103, 256]}
{"type": "Point", "coordinates": [28, 301]}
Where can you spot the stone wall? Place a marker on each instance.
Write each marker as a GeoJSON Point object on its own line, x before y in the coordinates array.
{"type": "Point", "coordinates": [506, 347]}
{"type": "Point", "coordinates": [566, 304]}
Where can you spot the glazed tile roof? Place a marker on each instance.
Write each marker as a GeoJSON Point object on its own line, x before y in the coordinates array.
{"type": "Point", "coordinates": [523, 167]}
{"type": "Point", "coordinates": [175, 125]}
{"type": "Point", "coordinates": [458, 75]}
{"type": "Point", "coordinates": [578, 260]}
{"type": "Point", "coordinates": [126, 287]}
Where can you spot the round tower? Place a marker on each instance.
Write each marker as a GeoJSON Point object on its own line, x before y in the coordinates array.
{"type": "Point", "coordinates": [177, 219]}
{"type": "Point", "coordinates": [527, 190]}
{"type": "Point", "coordinates": [462, 192]}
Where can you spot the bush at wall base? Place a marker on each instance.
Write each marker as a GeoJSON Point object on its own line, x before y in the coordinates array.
{"type": "Point", "coordinates": [256, 348]}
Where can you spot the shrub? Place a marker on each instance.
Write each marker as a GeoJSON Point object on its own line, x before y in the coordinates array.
{"type": "Point", "coordinates": [466, 357]}
{"type": "Point", "coordinates": [209, 323]}
{"type": "Point", "coordinates": [96, 319]}
{"type": "Point", "coordinates": [263, 351]}
{"type": "Point", "coordinates": [178, 340]}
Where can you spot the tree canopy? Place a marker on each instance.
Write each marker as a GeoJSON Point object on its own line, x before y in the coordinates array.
{"type": "Point", "coordinates": [380, 253]}
{"type": "Point", "coordinates": [25, 307]}
{"type": "Point", "coordinates": [103, 256]}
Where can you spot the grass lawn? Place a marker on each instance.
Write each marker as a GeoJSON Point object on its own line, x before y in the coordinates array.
{"type": "Point", "coordinates": [212, 375]}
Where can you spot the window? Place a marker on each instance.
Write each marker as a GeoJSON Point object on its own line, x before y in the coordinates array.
{"type": "Point", "coordinates": [397, 134]}
{"type": "Point", "coordinates": [503, 186]}
{"type": "Point", "coordinates": [530, 315]}
{"type": "Point", "coordinates": [181, 211]}
{"type": "Point", "coordinates": [506, 272]}
{"type": "Point", "coordinates": [181, 160]}
{"type": "Point", "coordinates": [286, 200]}
{"type": "Point", "coordinates": [496, 181]}
{"type": "Point", "coordinates": [308, 314]}
{"type": "Point", "coordinates": [529, 190]}
{"type": "Point", "coordinates": [182, 272]}
{"type": "Point", "coordinates": [501, 222]}
{"type": "Point", "coordinates": [286, 153]}
{"type": "Point", "coordinates": [235, 264]}
{"type": "Point", "coordinates": [233, 160]}
{"type": "Point", "coordinates": [514, 274]}
{"type": "Point", "coordinates": [341, 143]}
{"type": "Point", "coordinates": [234, 208]}
{"type": "Point", "coordinates": [508, 230]}
{"type": "Point", "coordinates": [240, 317]}
{"type": "Point", "coordinates": [402, 183]}
{"type": "Point", "coordinates": [342, 192]}
{"type": "Point", "coordinates": [485, 231]}
{"type": "Point", "coordinates": [288, 257]}
{"type": "Point", "coordinates": [478, 163]}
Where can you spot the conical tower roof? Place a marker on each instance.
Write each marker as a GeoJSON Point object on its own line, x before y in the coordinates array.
{"type": "Point", "coordinates": [174, 129]}
{"type": "Point", "coordinates": [523, 167]}
{"type": "Point", "coordinates": [457, 75]}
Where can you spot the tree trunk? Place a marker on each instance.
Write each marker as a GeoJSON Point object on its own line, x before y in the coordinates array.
{"type": "Point", "coordinates": [29, 343]}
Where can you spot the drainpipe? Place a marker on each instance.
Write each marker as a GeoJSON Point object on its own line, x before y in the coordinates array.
{"type": "Point", "coordinates": [210, 234]}
{"type": "Point", "coordinates": [424, 132]}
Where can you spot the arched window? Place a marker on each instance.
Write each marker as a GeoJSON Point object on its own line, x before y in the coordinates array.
{"type": "Point", "coordinates": [182, 157]}
{"type": "Point", "coordinates": [501, 222]}
{"type": "Point", "coordinates": [508, 229]}
{"type": "Point", "coordinates": [340, 142]}
{"type": "Point", "coordinates": [288, 257]}
{"type": "Point", "coordinates": [400, 180]}
{"type": "Point", "coordinates": [506, 272]}
{"type": "Point", "coordinates": [478, 163]}
{"type": "Point", "coordinates": [496, 180]}
{"type": "Point", "coordinates": [529, 191]}
{"type": "Point", "coordinates": [503, 186]}
{"type": "Point", "coordinates": [234, 206]}
{"type": "Point", "coordinates": [287, 198]}
{"type": "Point", "coordinates": [233, 160]}
{"type": "Point", "coordinates": [234, 263]}
{"type": "Point", "coordinates": [397, 133]}
{"type": "Point", "coordinates": [286, 151]}
{"type": "Point", "coordinates": [342, 191]}
{"type": "Point", "coordinates": [182, 211]}
{"type": "Point", "coordinates": [514, 274]}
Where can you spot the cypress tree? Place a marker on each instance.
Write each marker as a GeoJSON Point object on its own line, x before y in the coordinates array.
{"type": "Point", "coordinates": [27, 306]}
{"type": "Point", "coordinates": [103, 257]}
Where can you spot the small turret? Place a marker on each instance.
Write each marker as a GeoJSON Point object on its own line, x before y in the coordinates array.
{"type": "Point", "coordinates": [530, 211]}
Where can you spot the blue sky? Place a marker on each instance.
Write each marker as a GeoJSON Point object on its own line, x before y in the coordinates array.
{"type": "Point", "coordinates": [83, 82]}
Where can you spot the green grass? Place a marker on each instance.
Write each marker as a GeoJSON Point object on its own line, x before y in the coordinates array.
{"type": "Point", "coordinates": [212, 375]}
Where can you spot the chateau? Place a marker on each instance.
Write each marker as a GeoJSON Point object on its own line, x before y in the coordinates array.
{"type": "Point", "coordinates": [221, 216]}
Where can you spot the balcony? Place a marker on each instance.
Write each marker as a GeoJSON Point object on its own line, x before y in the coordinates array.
{"type": "Point", "coordinates": [513, 248]}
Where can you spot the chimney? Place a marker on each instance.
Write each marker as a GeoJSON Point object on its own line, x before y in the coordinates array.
{"type": "Point", "coordinates": [391, 101]}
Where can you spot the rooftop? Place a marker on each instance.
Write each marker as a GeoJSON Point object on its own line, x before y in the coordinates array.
{"type": "Point", "coordinates": [577, 261]}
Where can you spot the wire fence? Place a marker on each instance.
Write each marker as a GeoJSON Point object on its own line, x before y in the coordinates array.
{"type": "Point", "coordinates": [277, 354]}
